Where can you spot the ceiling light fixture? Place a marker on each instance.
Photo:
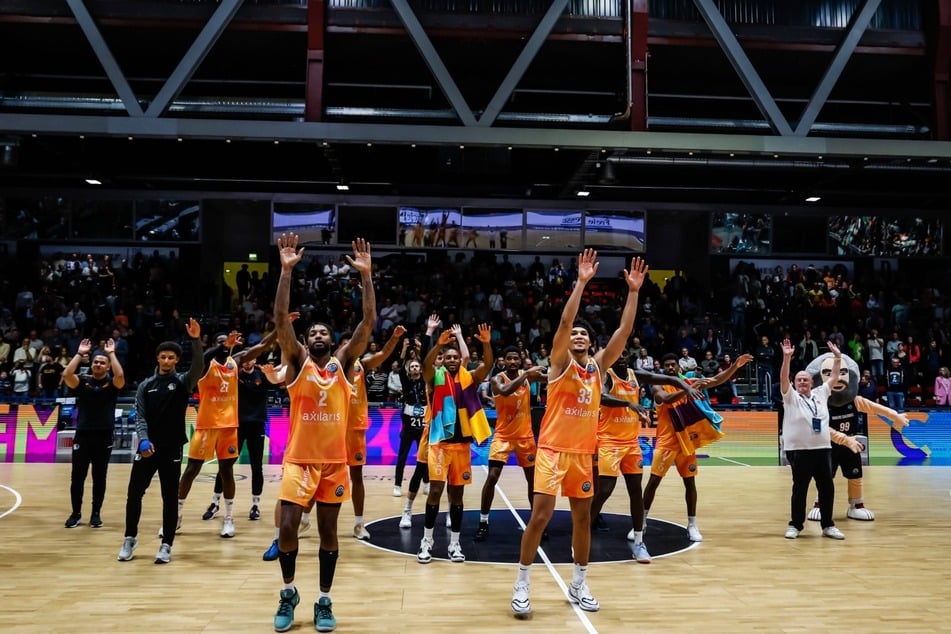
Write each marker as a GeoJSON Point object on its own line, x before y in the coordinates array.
{"type": "Point", "coordinates": [813, 199]}
{"type": "Point", "coordinates": [342, 186]}
{"type": "Point", "coordinates": [582, 193]}
{"type": "Point", "coordinates": [93, 181]}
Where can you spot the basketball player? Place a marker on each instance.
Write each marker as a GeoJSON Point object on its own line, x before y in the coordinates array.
{"type": "Point", "coordinates": [316, 455]}
{"type": "Point", "coordinates": [513, 429]}
{"type": "Point", "coordinates": [568, 434]}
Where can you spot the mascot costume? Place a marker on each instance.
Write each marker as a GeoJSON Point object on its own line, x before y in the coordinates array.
{"type": "Point", "coordinates": [844, 407]}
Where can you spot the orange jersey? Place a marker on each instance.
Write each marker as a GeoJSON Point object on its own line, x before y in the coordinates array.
{"type": "Point", "coordinates": [320, 404]}
{"type": "Point", "coordinates": [513, 413]}
{"type": "Point", "coordinates": [359, 413]}
{"type": "Point", "coordinates": [620, 425]}
{"type": "Point", "coordinates": [218, 396]}
{"type": "Point", "coordinates": [666, 435]}
{"type": "Point", "coordinates": [570, 423]}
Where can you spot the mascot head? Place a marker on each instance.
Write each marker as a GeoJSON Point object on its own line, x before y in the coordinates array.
{"type": "Point", "coordinates": [847, 387]}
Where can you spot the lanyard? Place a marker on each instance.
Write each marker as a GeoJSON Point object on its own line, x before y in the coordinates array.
{"type": "Point", "coordinates": [813, 407]}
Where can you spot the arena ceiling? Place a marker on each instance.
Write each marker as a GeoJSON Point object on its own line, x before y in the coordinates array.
{"type": "Point", "coordinates": [390, 124]}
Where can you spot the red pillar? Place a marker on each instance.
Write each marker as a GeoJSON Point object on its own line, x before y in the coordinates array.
{"type": "Point", "coordinates": [316, 24]}
{"type": "Point", "coordinates": [639, 14]}
{"type": "Point", "coordinates": [942, 69]}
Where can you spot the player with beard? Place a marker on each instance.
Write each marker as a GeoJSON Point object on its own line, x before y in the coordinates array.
{"type": "Point", "coordinates": [315, 459]}
{"type": "Point", "coordinates": [568, 436]}
{"type": "Point", "coordinates": [513, 429]}
{"type": "Point", "coordinates": [456, 420]}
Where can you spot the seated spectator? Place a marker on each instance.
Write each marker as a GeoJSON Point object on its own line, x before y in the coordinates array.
{"type": "Point", "coordinates": [709, 367]}
{"type": "Point", "coordinates": [686, 362]}
{"type": "Point", "coordinates": [644, 361]}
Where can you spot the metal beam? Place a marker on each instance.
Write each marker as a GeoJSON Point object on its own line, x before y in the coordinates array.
{"type": "Point", "coordinates": [743, 67]}
{"type": "Point", "coordinates": [293, 131]}
{"type": "Point", "coordinates": [432, 59]}
{"type": "Point", "coordinates": [194, 57]}
{"type": "Point", "coordinates": [858, 23]}
{"type": "Point", "coordinates": [108, 61]}
{"type": "Point", "coordinates": [521, 64]}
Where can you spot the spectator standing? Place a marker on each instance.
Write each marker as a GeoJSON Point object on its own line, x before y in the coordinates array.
{"type": "Point", "coordinates": [942, 387]}
{"type": "Point", "coordinates": [896, 384]}
{"type": "Point", "coordinates": [876, 354]}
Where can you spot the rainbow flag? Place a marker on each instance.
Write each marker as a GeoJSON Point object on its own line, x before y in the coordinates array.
{"type": "Point", "coordinates": [456, 399]}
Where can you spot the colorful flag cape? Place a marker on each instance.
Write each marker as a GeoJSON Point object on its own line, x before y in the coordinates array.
{"type": "Point", "coordinates": [457, 401]}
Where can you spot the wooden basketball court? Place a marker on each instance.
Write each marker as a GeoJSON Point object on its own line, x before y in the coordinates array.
{"type": "Point", "coordinates": [890, 575]}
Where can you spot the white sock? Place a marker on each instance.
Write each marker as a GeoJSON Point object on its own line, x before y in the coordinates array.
{"type": "Point", "coordinates": [255, 500]}
{"type": "Point", "coordinates": [305, 517]}
{"type": "Point", "coordinates": [321, 594]}
{"type": "Point", "coordinates": [428, 533]}
{"type": "Point", "coordinates": [277, 533]}
{"type": "Point", "coordinates": [215, 498]}
{"type": "Point", "coordinates": [408, 507]}
{"type": "Point", "coordinates": [581, 573]}
{"type": "Point", "coordinates": [484, 517]}
{"type": "Point", "coordinates": [454, 537]}
{"type": "Point", "coordinates": [288, 586]}
{"type": "Point", "coordinates": [523, 572]}
{"type": "Point", "coordinates": [229, 508]}
{"type": "Point", "coordinates": [358, 520]}
{"type": "Point", "coordinates": [691, 520]}
{"type": "Point", "coordinates": [181, 505]}
{"type": "Point", "coordinates": [638, 537]}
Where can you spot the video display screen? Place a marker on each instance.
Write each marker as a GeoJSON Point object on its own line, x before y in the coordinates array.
{"type": "Point", "coordinates": [886, 236]}
{"type": "Point", "coordinates": [735, 232]}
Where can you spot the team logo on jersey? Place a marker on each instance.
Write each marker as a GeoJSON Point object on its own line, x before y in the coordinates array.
{"type": "Point", "coordinates": [332, 367]}
{"type": "Point", "coordinates": [358, 456]}
{"type": "Point", "coordinates": [75, 447]}
{"type": "Point", "coordinates": [339, 491]}
{"type": "Point", "coordinates": [230, 364]}
{"type": "Point", "coordinates": [590, 367]}
{"type": "Point", "coordinates": [586, 486]}
{"type": "Point", "coordinates": [171, 386]}
{"type": "Point", "coordinates": [692, 467]}
{"type": "Point", "coordinates": [466, 475]}
{"type": "Point", "coordinates": [640, 464]}
{"type": "Point", "coordinates": [531, 457]}
{"type": "Point", "coordinates": [232, 449]}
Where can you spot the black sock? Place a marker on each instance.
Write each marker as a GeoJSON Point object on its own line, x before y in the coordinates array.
{"type": "Point", "coordinates": [288, 563]}
{"type": "Point", "coordinates": [431, 511]}
{"type": "Point", "coordinates": [328, 564]}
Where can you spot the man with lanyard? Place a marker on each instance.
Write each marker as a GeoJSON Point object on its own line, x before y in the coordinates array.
{"type": "Point", "coordinates": [619, 447]}
{"type": "Point", "coordinates": [568, 436]}
{"type": "Point", "coordinates": [412, 412]}
{"type": "Point", "coordinates": [807, 440]}
{"type": "Point", "coordinates": [513, 429]}
{"type": "Point", "coordinates": [457, 420]}
{"type": "Point", "coordinates": [96, 395]}
{"type": "Point", "coordinates": [315, 459]}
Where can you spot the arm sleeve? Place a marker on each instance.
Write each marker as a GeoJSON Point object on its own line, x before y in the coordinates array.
{"type": "Point", "coordinates": [190, 379]}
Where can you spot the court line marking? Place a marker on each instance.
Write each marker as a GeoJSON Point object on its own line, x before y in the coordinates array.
{"type": "Point", "coordinates": [736, 462]}
{"type": "Point", "coordinates": [588, 625]}
{"type": "Point", "coordinates": [16, 505]}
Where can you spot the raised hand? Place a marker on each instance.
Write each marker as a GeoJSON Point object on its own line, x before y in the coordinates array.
{"type": "Point", "coordinates": [361, 256]}
{"type": "Point", "coordinates": [635, 276]}
{"type": "Point", "coordinates": [587, 265]}
{"type": "Point", "coordinates": [444, 337]}
{"type": "Point", "coordinates": [84, 347]}
{"type": "Point", "coordinates": [485, 333]}
{"type": "Point", "coordinates": [787, 347]}
{"type": "Point", "coordinates": [432, 323]}
{"type": "Point", "coordinates": [287, 250]}
{"type": "Point", "coordinates": [398, 331]}
{"type": "Point", "coordinates": [193, 328]}
{"type": "Point", "coordinates": [742, 360]}
{"type": "Point", "coordinates": [234, 338]}
{"type": "Point", "coordinates": [456, 330]}
{"type": "Point", "coordinates": [294, 316]}
{"type": "Point", "coordinates": [834, 349]}
{"type": "Point", "coordinates": [110, 346]}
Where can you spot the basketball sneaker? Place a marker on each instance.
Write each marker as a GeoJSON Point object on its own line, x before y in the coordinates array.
{"type": "Point", "coordinates": [164, 554]}
{"type": "Point", "coordinates": [73, 520]}
{"type": "Point", "coordinates": [694, 533]}
{"type": "Point", "coordinates": [397, 492]}
{"type": "Point", "coordinates": [227, 527]}
{"type": "Point", "coordinates": [792, 532]}
{"type": "Point", "coordinates": [128, 545]}
{"type": "Point", "coordinates": [640, 553]}
{"type": "Point", "coordinates": [521, 604]}
{"type": "Point", "coordinates": [324, 619]}
{"type": "Point", "coordinates": [284, 618]}
{"type": "Point", "coordinates": [95, 521]}
{"type": "Point", "coordinates": [455, 553]}
{"type": "Point", "coordinates": [407, 520]}
{"type": "Point", "coordinates": [361, 533]}
{"type": "Point", "coordinates": [211, 512]}
{"type": "Point", "coordinates": [833, 532]}
{"type": "Point", "coordinates": [425, 554]}
{"type": "Point", "coordinates": [272, 553]}
{"type": "Point", "coordinates": [579, 593]}
{"type": "Point", "coordinates": [255, 513]}
{"type": "Point", "coordinates": [483, 532]}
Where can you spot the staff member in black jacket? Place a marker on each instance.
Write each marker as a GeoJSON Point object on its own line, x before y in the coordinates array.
{"type": "Point", "coordinates": [160, 404]}
{"type": "Point", "coordinates": [96, 395]}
